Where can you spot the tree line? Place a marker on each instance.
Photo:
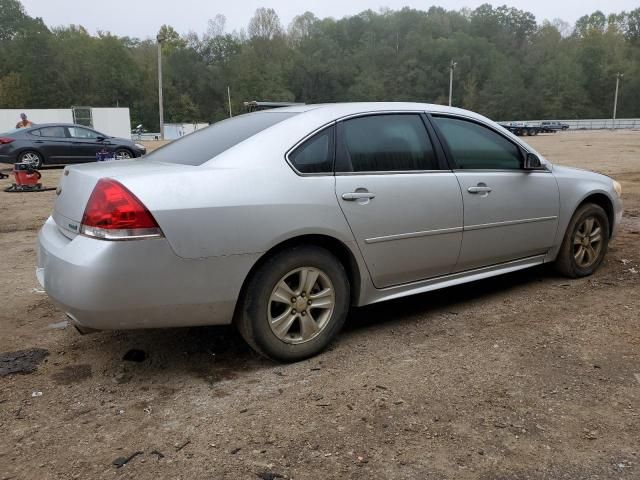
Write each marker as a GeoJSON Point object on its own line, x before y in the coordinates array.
{"type": "Point", "coordinates": [507, 65]}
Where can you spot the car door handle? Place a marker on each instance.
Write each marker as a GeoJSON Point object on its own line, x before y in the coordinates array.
{"type": "Point", "coordinates": [39, 141]}
{"type": "Point", "coordinates": [479, 189]}
{"type": "Point", "coordinates": [351, 196]}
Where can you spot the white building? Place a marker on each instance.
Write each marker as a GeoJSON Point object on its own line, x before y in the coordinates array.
{"type": "Point", "coordinates": [111, 121]}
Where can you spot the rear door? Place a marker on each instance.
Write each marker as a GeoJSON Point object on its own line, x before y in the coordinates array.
{"type": "Point", "coordinates": [509, 213]}
{"type": "Point", "coordinates": [403, 207]}
{"type": "Point", "coordinates": [53, 143]}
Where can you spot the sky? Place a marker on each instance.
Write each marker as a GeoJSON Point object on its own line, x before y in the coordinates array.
{"type": "Point", "coordinates": [143, 18]}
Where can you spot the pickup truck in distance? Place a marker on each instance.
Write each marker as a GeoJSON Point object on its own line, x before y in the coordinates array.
{"type": "Point", "coordinates": [553, 126]}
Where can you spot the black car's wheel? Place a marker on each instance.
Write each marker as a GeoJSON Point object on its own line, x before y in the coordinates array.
{"type": "Point", "coordinates": [32, 158]}
{"type": "Point", "coordinates": [585, 242]}
{"type": "Point", "coordinates": [123, 154]}
{"type": "Point", "coordinates": [294, 304]}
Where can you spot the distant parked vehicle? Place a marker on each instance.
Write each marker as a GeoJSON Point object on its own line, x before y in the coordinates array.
{"type": "Point", "coordinates": [60, 143]}
{"type": "Point", "coordinates": [553, 126]}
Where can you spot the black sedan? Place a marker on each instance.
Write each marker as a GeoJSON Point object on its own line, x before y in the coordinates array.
{"type": "Point", "coordinates": [59, 143]}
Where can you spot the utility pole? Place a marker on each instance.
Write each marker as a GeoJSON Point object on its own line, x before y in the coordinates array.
{"type": "Point", "coordinates": [160, 39]}
{"type": "Point", "coordinates": [452, 67]}
{"type": "Point", "coordinates": [229, 97]}
{"type": "Point", "coordinates": [615, 98]}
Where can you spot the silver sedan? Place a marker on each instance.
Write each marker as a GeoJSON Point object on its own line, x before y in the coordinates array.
{"type": "Point", "coordinates": [279, 221]}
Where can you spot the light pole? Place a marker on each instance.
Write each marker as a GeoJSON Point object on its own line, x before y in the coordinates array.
{"type": "Point", "coordinates": [160, 39]}
{"type": "Point", "coordinates": [452, 67]}
{"type": "Point", "coordinates": [615, 98]}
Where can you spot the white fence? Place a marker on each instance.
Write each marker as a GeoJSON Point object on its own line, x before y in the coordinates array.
{"type": "Point", "coordinates": [590, 124]}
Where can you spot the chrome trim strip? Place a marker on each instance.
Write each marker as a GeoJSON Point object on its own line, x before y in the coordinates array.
{"type": "Point", "coordinates": [509, 222]}
{"type": "Point", "coordinates": [402, 236]}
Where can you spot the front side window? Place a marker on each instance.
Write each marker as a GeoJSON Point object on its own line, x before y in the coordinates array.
{"type": "Point", "coordinates": [386, 143]}
{"type": "Point", "coordinates": [56, 132]}
{"type": "Point", "coordinates": [474, 146]}
{"type": "Point", "coordinates": [316, 154]}
{"type": "Point", "coordinates": [77, 132]}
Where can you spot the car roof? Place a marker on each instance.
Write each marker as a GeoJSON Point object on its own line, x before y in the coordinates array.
{"type": "Point", "coordinates": [40, 125]}
{"type": "Point", "coordinates": [350, 108]}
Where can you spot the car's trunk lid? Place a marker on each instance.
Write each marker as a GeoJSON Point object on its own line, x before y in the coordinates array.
{"type": "Point", "coordinates": [78, 181]}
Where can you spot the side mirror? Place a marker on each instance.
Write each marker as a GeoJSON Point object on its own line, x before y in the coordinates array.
{"type": "Point", "coordinates": [100, 138]}
{"type": "Point", "coordinates": [532, 162]}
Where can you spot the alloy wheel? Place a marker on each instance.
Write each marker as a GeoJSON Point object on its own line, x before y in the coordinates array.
{"type": "Point", "coordinates": [31, 158]}
{"type": "Point", "coordinates": [123, 155]}
{"type": "Point", "coordinates": [587, 242]}
{"type": "Point", "coordinates": [301, 305]}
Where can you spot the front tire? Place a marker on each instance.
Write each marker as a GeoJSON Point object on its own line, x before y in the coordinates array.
{"type": "Point", "coordinates": [294, 304]}
{"type": "Point", "coordinates": [585, 242]}
{"type": "Point", "coordinates": [123, 154]}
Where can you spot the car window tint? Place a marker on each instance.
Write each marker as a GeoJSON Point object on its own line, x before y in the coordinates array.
{"type": "Point", "coordinates": [77, 132]}
{"type": "Point", "coordinates": [57, 132]}
{"type": "Point", "coordinates": [316, 154]}
{"type": "Point", "coordinates": [474, 146]}
{"type": "Point", "coordinates": [386, 143]}
{"type": "Point", "coordinates": [202, 145]}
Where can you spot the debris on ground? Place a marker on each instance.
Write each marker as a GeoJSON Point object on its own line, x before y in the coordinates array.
{"type": "Point", "coordinates": [122, 461]}
{"type": "Point", "coordinates": [158, 454]}
{"type": "Point", "coordinates": [36, 394]}
{"type": "Point", "coordinates": [180, 446]}
{"type": "Point", "coordinates": [134, 355]}
{"type": "Point", "coordinates": [22, 361]}
{"type": "Point", "coordinates": [268, 475]}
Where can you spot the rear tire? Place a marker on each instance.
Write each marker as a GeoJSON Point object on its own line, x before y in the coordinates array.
{"type": "Point", "coordinates": [31, 157]}
{"type": "Point", "coordinates": [585, 242]}
{"type": "Point", "coordinates": [294, 304]}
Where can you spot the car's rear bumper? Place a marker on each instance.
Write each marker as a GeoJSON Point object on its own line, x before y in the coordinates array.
{"type": "Point", "coordinates": [107, 285]}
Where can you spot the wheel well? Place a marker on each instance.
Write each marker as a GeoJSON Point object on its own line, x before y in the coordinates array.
{"type": "Point", "coordinates": [336, 247]}
{"type": "Point", "coordinates": [603, 201]}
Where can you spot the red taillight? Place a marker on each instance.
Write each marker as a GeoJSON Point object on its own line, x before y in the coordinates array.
{"type": "Point", "coordinates": [114, 213]}
{"type": "Point", "coordinates": [4, 140]}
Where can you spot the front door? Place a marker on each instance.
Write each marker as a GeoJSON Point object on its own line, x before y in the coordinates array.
{"type": "Point", "coordinates": [404, 210]}
{"type": "Point", "coordinates": [509, 213]}
{"type": "Point", "coordinates": [85, 144]}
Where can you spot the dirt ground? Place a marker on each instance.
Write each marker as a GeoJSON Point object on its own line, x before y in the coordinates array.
{"type": "Point", "coordinates": [526, 376]}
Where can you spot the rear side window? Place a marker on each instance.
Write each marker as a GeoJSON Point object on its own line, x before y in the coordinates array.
{"type": "Point", "coordinates": [202, 145]}
{"type": "Point", "coordinates": [55, 132]}
{"type": "Point", "coordinates": [316, 154]}
{"type": "Point", "coordinates": [474, 146]}
{"type": "Point", "coordinates": [385, 143]}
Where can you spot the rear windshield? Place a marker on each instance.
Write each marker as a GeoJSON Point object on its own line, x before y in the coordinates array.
{"type": "Point", "coordinates": [202, 145]}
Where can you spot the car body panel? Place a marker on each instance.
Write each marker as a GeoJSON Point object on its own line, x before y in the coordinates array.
{"type": "Point", "coordinates": [221, 218]}
{"type": "Point", "coordinates": [411, 230]}
{"type": "Point", "coordinates": [517, 219]}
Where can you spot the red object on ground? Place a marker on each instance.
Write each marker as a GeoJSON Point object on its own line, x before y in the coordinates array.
{"type": "Point", "coordinates": [28, 177]}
